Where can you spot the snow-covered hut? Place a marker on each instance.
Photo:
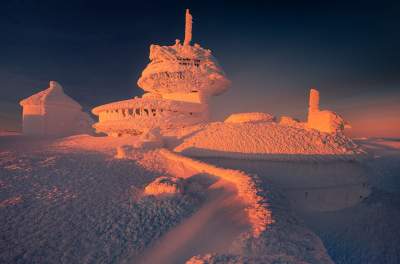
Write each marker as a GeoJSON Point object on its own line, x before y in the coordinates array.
{"type": "Point", "coordinates": [53, 113]}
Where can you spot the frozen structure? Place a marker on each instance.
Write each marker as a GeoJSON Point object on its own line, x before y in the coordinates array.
{"type": "Point", "coordinates": [257, 136]}
{"type": "Point", "coordinates": [177, 82]}
{"type": "Point", "coordinates": [324, 121]}
{"type": "Point", "coordinates": [53, 113]}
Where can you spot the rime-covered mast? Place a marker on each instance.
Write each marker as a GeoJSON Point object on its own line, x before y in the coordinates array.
{"type": "Point", "coordinates": [178, 82]}
{"type": "Point", "coordinates": [188, 28]}
{"type": "Point", "coordinates": [183, 69]}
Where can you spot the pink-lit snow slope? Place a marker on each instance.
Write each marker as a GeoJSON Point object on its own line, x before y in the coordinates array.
{"type": "Point", "coordinates": [267, 141]}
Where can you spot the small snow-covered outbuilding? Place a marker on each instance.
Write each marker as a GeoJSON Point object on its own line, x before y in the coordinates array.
{"type": "Point", "coordinates": [53, 113]}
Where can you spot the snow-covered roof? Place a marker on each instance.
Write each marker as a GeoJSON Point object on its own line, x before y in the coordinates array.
{"type": "Point", "coordinates": [184, 69]}
{"type": "Point", "coordinates": [53, 95]}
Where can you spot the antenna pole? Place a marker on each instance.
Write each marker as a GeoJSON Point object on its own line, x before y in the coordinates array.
{"type": "Point", "coordinates": [188, 28]}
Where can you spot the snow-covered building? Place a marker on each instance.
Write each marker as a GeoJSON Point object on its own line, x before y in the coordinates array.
{"type": "Point", "coordinates": [178, 82]}
{"type": "Point", "coordinates": [53, 113]}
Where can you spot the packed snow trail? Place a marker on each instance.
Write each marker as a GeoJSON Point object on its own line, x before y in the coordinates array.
{"type": "Point", "coordinates": [212, 228]}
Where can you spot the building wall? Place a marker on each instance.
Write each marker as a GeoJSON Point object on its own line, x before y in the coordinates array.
{"type": "Point", "coordinates": [60, 120]}
{"type": "Point", "coordinates": [55, 120]}
{"type": "Point", "coordinates": [33, 120]}
{"type": "Point", "coordinates": [193, 97]}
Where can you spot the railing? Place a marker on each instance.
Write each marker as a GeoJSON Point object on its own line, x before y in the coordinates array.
{"type": "Point", "coordinates": [127, 113]}
{"type": "Point", "coordinates": [140, 112]}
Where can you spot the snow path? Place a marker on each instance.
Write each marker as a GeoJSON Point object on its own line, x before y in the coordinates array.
{"type": "Point", "coordinates": [213, 228]}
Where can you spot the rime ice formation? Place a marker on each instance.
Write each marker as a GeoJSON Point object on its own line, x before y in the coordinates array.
{"type": "Point", "coordinates": [324, 121]}
{"type": "Point", "coordinates": [51, 112]}
{"type": "Point", "coordinates": [178, 82]}
{"type": "Point", "coordinates": [249, 117]}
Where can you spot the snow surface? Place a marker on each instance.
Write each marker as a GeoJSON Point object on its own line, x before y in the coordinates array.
{"type": "Point", "coordinates": [69, 200]}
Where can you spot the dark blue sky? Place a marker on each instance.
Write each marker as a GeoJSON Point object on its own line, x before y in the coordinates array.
{"type": "Point", "coordinates": [273, 52]}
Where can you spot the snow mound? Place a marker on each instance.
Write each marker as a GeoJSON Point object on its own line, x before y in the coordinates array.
{"type": "Point", "coordinates": [164, 185]}
{"type": "Point", "coordinates": [267, 141]}
{"type": "Point", "coordinates": [249, 117]}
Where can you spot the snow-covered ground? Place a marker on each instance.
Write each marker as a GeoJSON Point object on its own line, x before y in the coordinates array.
{"type": "Point", "coordinates": [61, 206]}
{"type": "Point", "coordinates": [71, 201]}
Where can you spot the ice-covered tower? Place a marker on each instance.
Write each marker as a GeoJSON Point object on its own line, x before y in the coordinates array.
{"type": "Point", "coordinates": [183, 72]}
{"type": "Point", "coordinates": [178, 82]}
